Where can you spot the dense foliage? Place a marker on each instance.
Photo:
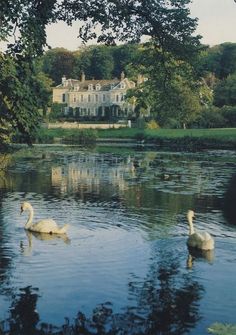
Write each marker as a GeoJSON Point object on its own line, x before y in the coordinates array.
{"type": "Point", "coordinates": [187, 85]}
{"type": "Point", "coordinates": [167, 23]}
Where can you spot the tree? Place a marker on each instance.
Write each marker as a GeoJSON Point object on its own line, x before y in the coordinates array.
{"type": "Point", "coordinates": [219, 60]}
{"type": "Point", "coordinates": [124, 56]}
{"type": "Point", "coordinates": [172, 91]}
{"type": "Point", "coordinates": [97, 62]}
{"type": "Point", "coordinates": [24, 23]}
{"type": "Point", "coordinates": [102, 61]}
{"type": "Point", "coordinates": [228, 60]}
{"type": "Point", "coordinates": [225, 92]}
{"type": "Point", "coordinates": [179, 102]}
{"type": "Point", "coordinates": [58, 62]}
{"type": "Point", "coordinates": [17, 98]}
{"type": "Point", "coordinates": [166, 22]}
{"type": "Point", "coordinates": [22, 93]}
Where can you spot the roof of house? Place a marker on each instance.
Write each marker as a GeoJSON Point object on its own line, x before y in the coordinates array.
{"type": "Point", "coordinates": [105, 85]}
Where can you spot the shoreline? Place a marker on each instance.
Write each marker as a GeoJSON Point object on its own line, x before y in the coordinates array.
{"type": "Point", "coordinates": [162, 143]}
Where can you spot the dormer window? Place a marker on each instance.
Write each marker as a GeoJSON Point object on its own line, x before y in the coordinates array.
{"type": "Point", "coordinates": [90, 87]}
{"type": "Point", "coordinates": [98, 87]}
{"type": "Point", "coordinates": [122, 85]}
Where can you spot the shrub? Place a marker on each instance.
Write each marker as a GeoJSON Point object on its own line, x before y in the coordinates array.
{"type": "Point", "coordinates": [172, 123]}
{"type": "Point", "coordinates": [229, 113]}
{"type": "Point", "coordinates": [152, 124]}
{"type": "Point", "coordinates": [210, 118]}
{"type": "Point", "coordinates": [83, 136]}
{"type": "Point", "coordinates": [56, 111]}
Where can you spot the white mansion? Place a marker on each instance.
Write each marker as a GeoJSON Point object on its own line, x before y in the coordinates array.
{"type": "Point", "coordinates": [100, 99]}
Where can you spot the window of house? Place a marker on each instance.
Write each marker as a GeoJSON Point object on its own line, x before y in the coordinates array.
{"type": "Point", "coordinates": [89, 98]}
{"type": "Point", "coordinates": [63, 97]}
{"type": "Point", "coordinates": [117, 98]}
{"type": "Point", "coordinates": [96, 97]}
{"type": "Point", "coordinates": [82, 98]}
{"type": "Point", "coordinates": [90, 87]}
{"type": "Point", "coordinates": [104, 97]}
{"type": "Point", "coordinates": [98, 87]}
{"type": "Point", "coordinates": [122, 85]}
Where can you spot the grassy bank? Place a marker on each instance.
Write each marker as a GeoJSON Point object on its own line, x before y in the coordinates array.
{"type": "Point", "coordinates": [219, 137]}
{"type": "Point", "coordinates": [152, 134]}
{"type": "Point", "coordinates": [202, 138]}
{"type": "Point", "coordinates": [83, 136]}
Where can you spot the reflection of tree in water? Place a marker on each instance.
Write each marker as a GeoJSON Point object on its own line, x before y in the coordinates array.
{"type": "Point", "coordinates": [5, 259]}
{"type": "Point", "coordinates": [229, 207]}
{"type": "Point", "coordinates": [5, 253]}
{"type": "Point", "coordinates": [166, 302]}
{"type": "Point", "coordinates": [24, 318]}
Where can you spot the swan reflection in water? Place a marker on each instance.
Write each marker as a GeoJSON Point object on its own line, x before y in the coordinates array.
{"type": "Point", "coordinates": [194, 254]}
{"type": "Point", "coordinates": [26, 250]}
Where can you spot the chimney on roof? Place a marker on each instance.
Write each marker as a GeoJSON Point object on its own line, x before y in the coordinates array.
{"type": "Point", "coordinates": [82, 77]}
{"type": "Point", "coordinates": [63, 80]}
{"type": "Point", "coordinates": [122, 75]}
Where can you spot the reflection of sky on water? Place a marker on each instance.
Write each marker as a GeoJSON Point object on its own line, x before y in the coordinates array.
{"type": "Point", "coordinates": [126, 263]}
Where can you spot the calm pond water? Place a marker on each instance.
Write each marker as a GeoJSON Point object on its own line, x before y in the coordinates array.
{"type": "Point", "coordinates": [124, 267]}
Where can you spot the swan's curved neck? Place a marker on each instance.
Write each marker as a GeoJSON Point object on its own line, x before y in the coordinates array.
{"type": "Point", "coordinates": [191, 228]}
{"type": "Point", "coordinates": [30, 218]}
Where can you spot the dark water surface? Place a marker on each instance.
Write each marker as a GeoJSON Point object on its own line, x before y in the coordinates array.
{"type": "Point", "coordinates": [124, 267]}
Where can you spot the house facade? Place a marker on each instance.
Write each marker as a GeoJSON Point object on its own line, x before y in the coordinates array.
{"type": "Point", "coordinates": [95, 99]}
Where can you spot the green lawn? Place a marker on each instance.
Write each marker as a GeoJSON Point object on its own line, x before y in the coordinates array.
{"type": "Point", "coordinates": [217, 133]}
{"type": "Point", "coordinates": [214, 138]}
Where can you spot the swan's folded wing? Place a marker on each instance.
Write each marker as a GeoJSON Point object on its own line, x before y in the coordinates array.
{"type": "Point", "coordinates": [45, 226]}
{"type": "Point", "coordinates": [195, 240]}
{"type": "Point", "coordinates": [206, 236]}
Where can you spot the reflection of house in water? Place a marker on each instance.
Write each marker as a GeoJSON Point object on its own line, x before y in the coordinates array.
{"type": "Point", "coordinates": [91, 174]}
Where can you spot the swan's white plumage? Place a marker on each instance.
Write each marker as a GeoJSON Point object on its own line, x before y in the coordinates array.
{"type": "Point", "coordinates": [199, 240]}
{"type": "Point", "coordinates": [48, 226]}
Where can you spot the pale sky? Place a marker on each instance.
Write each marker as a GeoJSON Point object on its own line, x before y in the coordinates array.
{"type": "Point", "coordinates": [217, 20]}
{"type": "Point", "coordinates": [217, 24]}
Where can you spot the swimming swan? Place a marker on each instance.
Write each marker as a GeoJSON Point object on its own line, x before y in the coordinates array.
{"type": "Point", "coordinates": [48, 226]}
{"type": "Point", "coordinates": [203, 240]}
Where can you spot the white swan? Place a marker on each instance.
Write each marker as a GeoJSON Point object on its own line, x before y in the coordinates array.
{"type": "Point", "coordinates": [203, 240]}
{"type": "Point", "coordinates": [48, 226]}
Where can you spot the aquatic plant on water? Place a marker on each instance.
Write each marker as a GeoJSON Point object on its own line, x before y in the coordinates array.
{"type": "Point", "coordinates": [222, 329]}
